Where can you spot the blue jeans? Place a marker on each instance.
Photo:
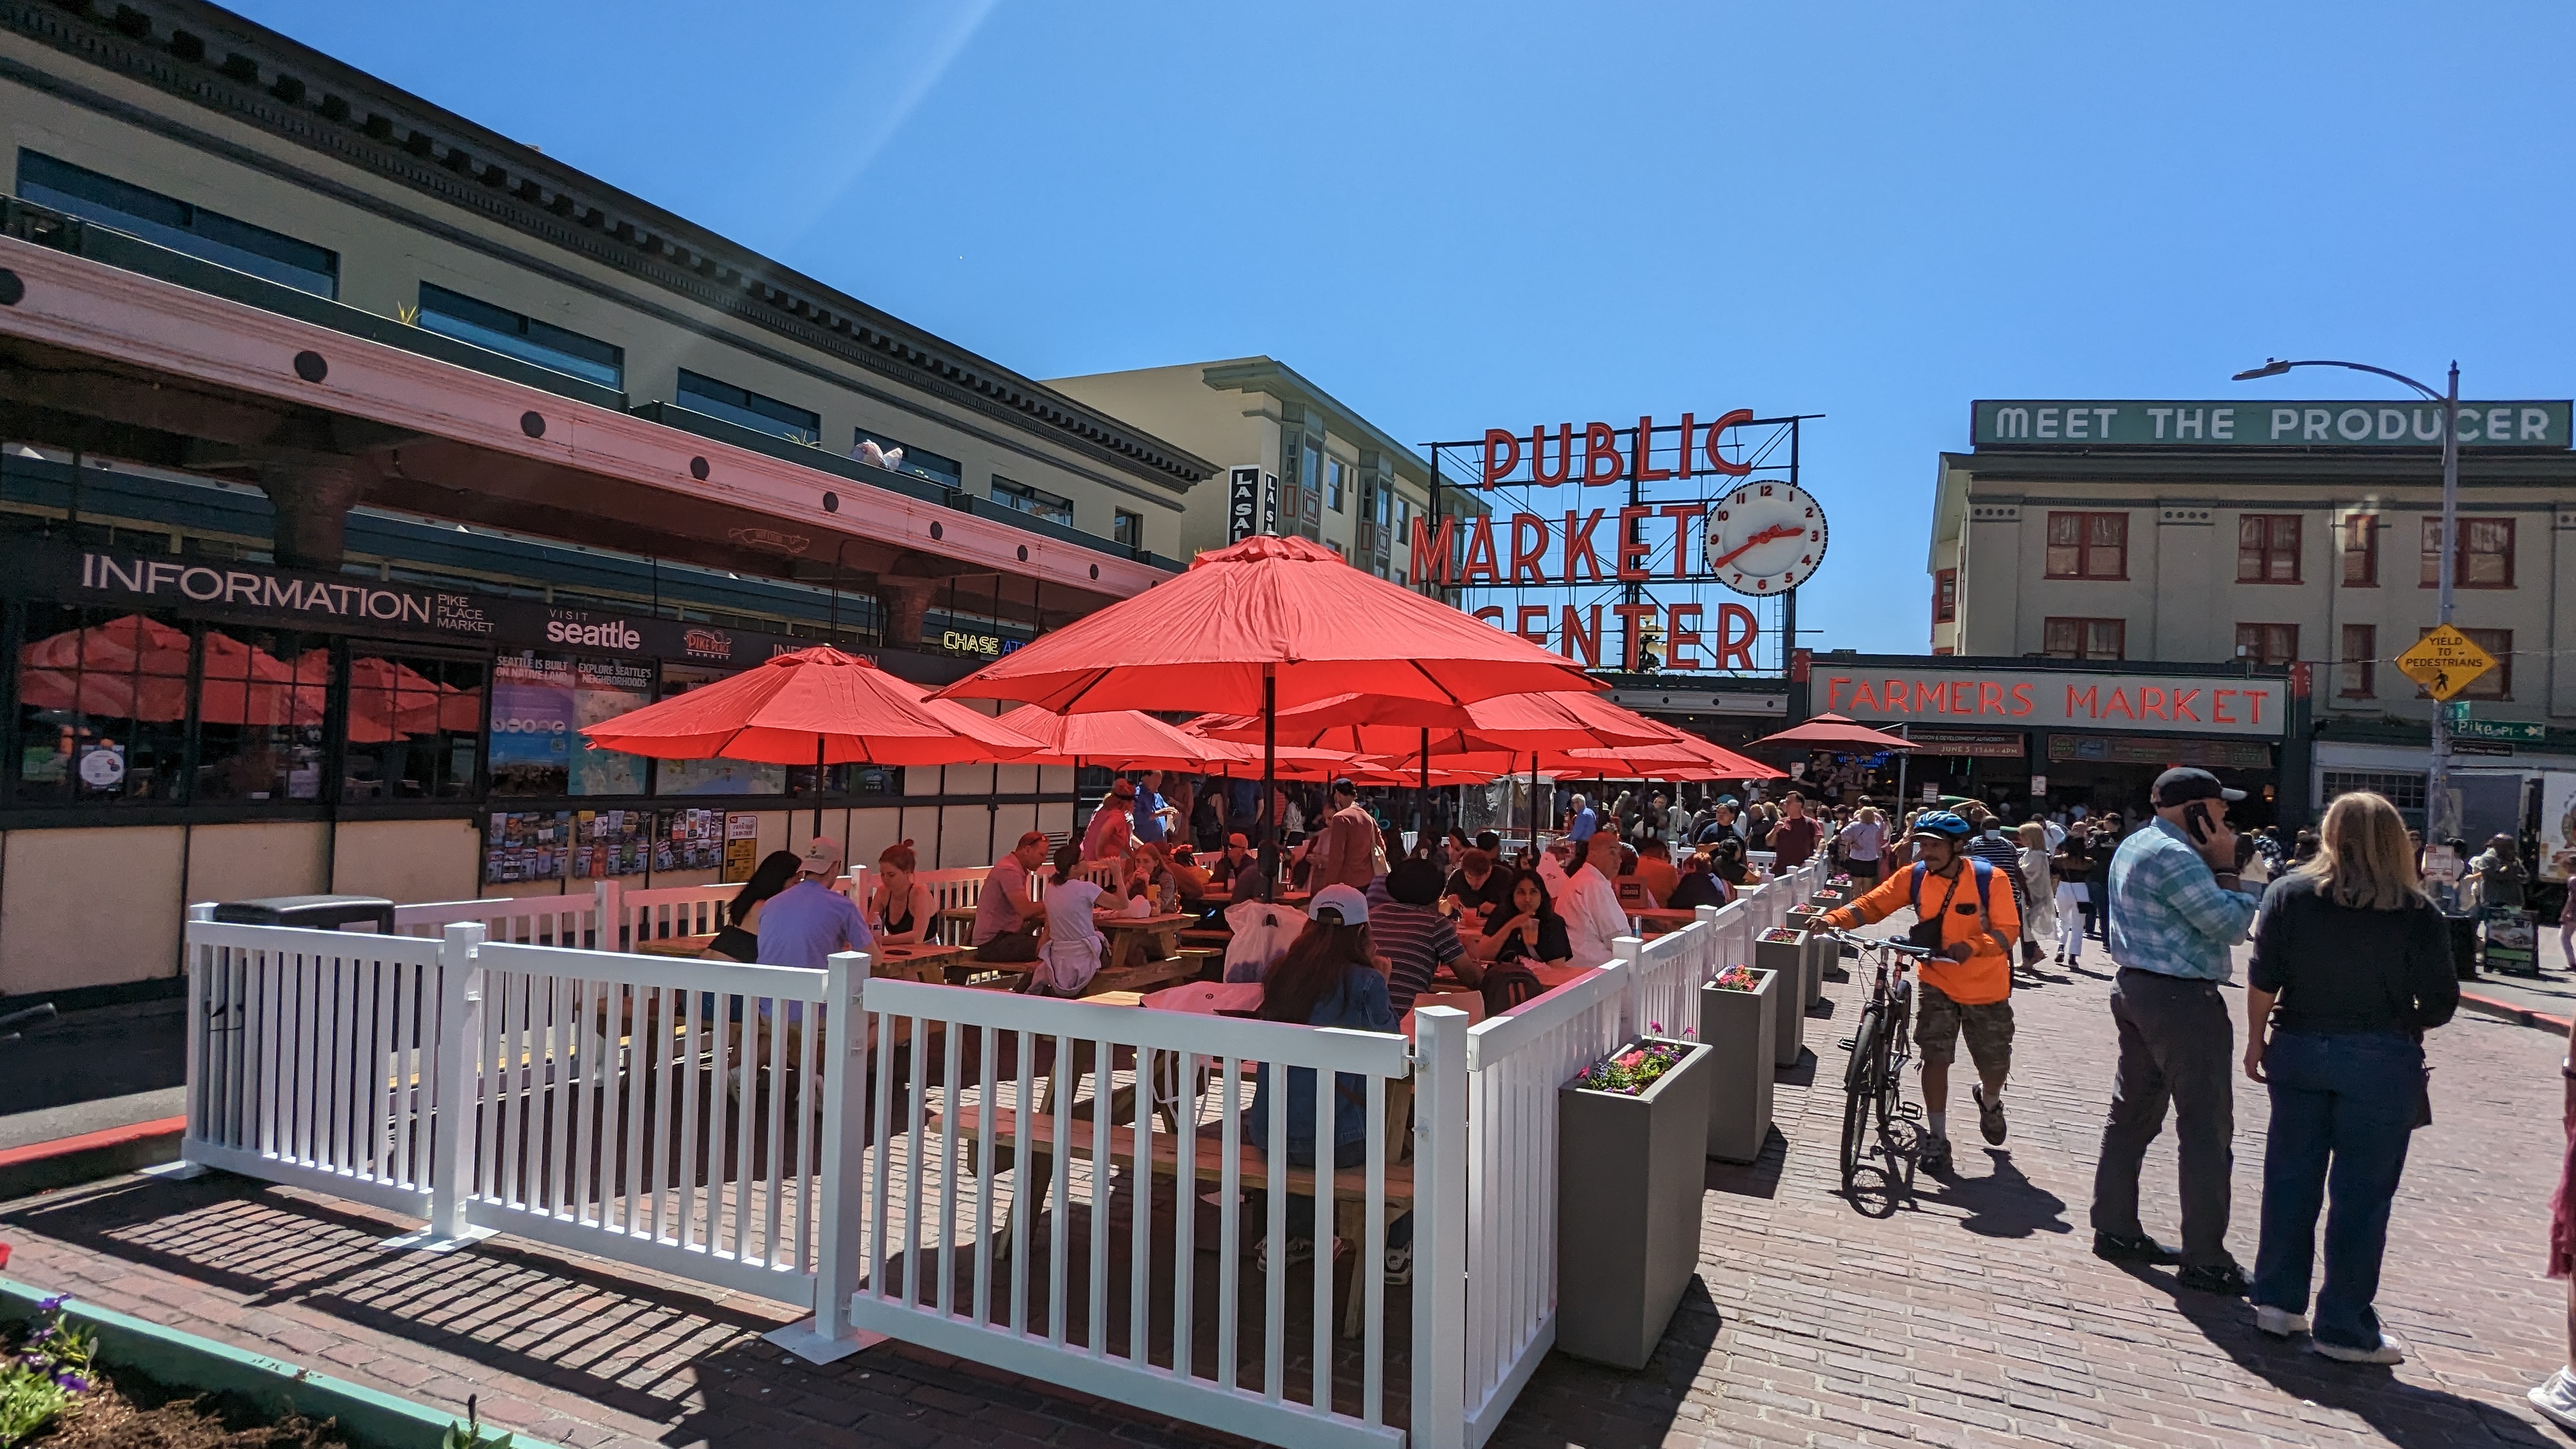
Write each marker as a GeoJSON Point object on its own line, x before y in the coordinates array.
{"type": "Point", "coordinates": [2343, 1111]}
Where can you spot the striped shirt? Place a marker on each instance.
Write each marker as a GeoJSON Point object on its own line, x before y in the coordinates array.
{"type": "Point", "coordinates": [2169, 914]}
{"type": "Point", "coordinates": [2005, 857]}
{"type": "Point", "coordinates": [1416, 941]}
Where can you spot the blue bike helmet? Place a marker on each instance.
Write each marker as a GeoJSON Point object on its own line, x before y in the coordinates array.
{"type": "Point", "coordinates": [1942, 823]}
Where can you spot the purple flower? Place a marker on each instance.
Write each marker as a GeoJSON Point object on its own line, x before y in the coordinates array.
{"type": "Point", "coordinates": [71, 1382]}
{"type": "Point", "coordinates": [49, 1305]}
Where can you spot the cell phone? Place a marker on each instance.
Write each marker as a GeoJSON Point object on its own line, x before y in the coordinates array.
{"type": "Point", "coordinates": [2195, 818]}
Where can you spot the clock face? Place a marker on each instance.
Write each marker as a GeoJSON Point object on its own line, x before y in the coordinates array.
{"type": "Point", "coordinates": [1765, 538]}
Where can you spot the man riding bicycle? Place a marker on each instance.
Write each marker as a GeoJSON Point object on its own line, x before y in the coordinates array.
{"type": "Point", "coordinates": [1970, 919]}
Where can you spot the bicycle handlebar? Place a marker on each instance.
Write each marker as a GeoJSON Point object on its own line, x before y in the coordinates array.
{"type": "Point", "coordinates": [42, 1011]}
{"type": "Point", "coordinates": [1901, 948]}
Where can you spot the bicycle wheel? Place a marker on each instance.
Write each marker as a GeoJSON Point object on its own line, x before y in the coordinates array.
{"type": "Point", "coordinates": [1860, 1090]}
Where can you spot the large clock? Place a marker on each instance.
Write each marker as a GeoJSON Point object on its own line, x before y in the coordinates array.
{"type": "Point", "coordinates": [1765, 538]}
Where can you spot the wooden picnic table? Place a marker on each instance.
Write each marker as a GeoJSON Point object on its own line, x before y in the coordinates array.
{"type": "Point", "coordinates": [1663, 918]}
{"type": "Point", "coordinates": [925, 961]}
{"type": "Point", "coordinates": [1128, 934]}
{"type": "Point", "coordinates": [689, 946]}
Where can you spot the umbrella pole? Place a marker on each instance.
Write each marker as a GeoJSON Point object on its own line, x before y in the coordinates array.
{"type": "Point", "coordinates": [1268, 813]}
{"type": "Point", "coordinates": [818, 786]}
{"type": "Point", "coordinates": [1533, 809]}
{"type": "Point", "coordinates": [1422, 797]}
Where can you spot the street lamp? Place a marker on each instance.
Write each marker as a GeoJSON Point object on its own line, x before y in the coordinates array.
{"type": "Point", "coordinates": [2440, 824]}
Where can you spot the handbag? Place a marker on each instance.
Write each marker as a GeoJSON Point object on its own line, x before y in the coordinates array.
{"type": "Point", "coordinates": [1926, 932]}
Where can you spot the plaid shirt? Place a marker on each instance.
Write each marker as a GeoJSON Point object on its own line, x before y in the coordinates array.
{"type": "Point", "coordinates": [2168, 912]}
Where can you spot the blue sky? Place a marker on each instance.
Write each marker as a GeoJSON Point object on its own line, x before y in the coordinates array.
{"type": "Point", "coordinates": [1462, 216]}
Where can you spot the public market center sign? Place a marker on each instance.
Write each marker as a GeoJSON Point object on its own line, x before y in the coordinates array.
{"type": "Point", "coordinates": [2237, 423]}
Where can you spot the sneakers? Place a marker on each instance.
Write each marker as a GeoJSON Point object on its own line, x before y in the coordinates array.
{"type": "Point", "coordinates": [2140, 1249]}
{"type": "Point", "coordinates": [1399, 1265]}
{"type": "Point", "coordinates": [1300, 1250]}
{"type": "Point", "coordinates": [2223, 1279]}
{"type": "Point", "coordinates": [2388, 1351]}
{"type": "Point", "coordinates": [1990, 1115]}
{"type": "Point", "coordinates": [2279, 1322]}
{"type": "Point", "coordinates": [2556, 1400]}
{"type": "Point", "coordinates": [1933, 1155]}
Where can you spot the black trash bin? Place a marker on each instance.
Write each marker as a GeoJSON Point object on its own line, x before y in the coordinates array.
{"type": "Point", "coordinates": [2464, 944]}
{"type": "Point", "coordinates": [320, 913]}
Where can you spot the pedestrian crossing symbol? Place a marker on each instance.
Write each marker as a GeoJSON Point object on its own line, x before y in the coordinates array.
{"type": "Point", "coordinates": [2445, 661]}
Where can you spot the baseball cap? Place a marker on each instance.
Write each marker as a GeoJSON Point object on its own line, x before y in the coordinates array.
{"type": "Point", "coordinates": [823, 857]}
{"type": "Point", "coordinates": [1343, 786]}
{"type": "Point", "coordinates": [2176, 786]}
{"type": "Point", "coordinates": [1124, 789]}
{"type": "Point", "coordinates": [1341, 899]}
{"type": "Point", "coordinates": [1239, 838]}
{"type": "Point", "coordinates": [1414, 882]}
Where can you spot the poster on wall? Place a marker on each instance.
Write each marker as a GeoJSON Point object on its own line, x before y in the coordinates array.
{"type": "Point", "coordinates": [2557, 823]}
{"type": "Point", "coordinates": [526, 845]}
{"type": "Point", "coordinates": [603, 689]}
{"type": "Point", "coordinates": [741, 847]}
{"type": "Point", "coordinates": [611, 843]}
{"type": "Point", "coordinates": [532, 722]}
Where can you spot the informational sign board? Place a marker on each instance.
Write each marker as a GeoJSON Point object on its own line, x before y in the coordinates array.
{"type": "Point", "coordinates": [2042, 699]}
{"type": "Point", "coordinates": [741, 847]}
{"type": "Point", "coordinates": [2445, 661]}
{"type": "Point", "coordinates": [2237, 423]}
{"type": "Point", "coordinates": [2557, 849]}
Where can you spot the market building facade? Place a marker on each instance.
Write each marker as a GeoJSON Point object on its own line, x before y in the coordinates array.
{"type": "Point", "coordinates": [2287, 537]}
{"type": "Point", "coordinates": [353, 457]}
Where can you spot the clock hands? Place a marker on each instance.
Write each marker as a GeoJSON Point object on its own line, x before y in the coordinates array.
{"type": "Point", "coordinates": [1775, 532]}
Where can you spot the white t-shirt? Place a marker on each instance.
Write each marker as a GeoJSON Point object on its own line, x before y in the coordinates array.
{"type": "Point", "coordinates": [1073, 948]}
{"type": "Point", "coordinates": [1593, 916]}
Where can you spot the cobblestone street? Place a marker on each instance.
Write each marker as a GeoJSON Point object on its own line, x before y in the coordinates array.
{"type": "Point", "coordinates": [1971, 1312]}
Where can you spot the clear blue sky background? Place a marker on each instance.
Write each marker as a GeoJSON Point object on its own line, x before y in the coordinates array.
{"type": "Point", "coordinates": [1470, 215]}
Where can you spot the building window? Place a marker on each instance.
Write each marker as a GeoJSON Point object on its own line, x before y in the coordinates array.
{"type": "Point", "coordinates": [2358, 667]}
{"type": "Point", "coordinates": [260, 698]}
{"type": "Point", "coordinates": [2361, 551]}
{"type": "Point", "coordinates": [1127, 528]}
{"type": "Point", "coordinates": [2088, 545]}
{"type": "Point", "coordinates": [2403, 790]}
{"type": "Point", "coordinates": [2496, 683]}
{"type": "Point", "coordinates": [1945, 596]}
{"type": "Point", "coordinates": [2087, 638]}
{"type": "Point", "coordinates": [749, 409]}
{"type": "Point", "coordinates": [1036, 502]}
{"type": "Point", "coordinates": [415, 728]}
{"type": "Point", "coordinates": [919, 462]}
{"type": "Point", "coordinates": [2485, 559]}
{"type": "Point", "coordinates": [2268, 643]}
{"type": "Point", "coordinates": [513, 334]}
{"type": "Point", "coordinates": [102, 707]}
{"type": "Point", "coordinates": [178, 225]}
{"type": "Point", "coordinates": [2267, 548]}
{"type": "Point", "coordinates": [1336, 485]}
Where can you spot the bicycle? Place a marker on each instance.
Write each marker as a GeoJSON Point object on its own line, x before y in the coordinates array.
{"type": "Point", "coordinates": [1874, 1074]}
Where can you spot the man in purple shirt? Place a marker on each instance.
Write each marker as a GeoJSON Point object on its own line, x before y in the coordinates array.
{"type": "Point", "coordinates": [805, 923]}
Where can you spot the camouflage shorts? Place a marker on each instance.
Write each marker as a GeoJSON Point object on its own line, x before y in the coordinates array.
{"type": "Point", "coordinates": [1939, 1022]}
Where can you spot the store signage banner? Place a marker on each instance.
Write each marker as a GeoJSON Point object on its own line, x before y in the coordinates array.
{"type": "Point", "coordinates": [1243, 505]}
{"type": "Point", "coordinates": [2237, 423]}
{"type": "Point", "coordinates": [2053, 699]}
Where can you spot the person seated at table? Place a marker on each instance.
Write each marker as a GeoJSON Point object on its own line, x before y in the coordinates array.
{"type": "Point", "coordinates": [1069, 945]}
{"type": "Point", "coordinates": [1410, 933]}
{"type": "Point", "coordinates": [1192, 878]}
{"type": "Point", "coordinates": [1726, 863]}
{"type": "Point", "coordinates": [1330, 977]}
{"type": "Point", "coordinates": [1295, 863]}
{"type": "Point", "coordinates": [1525, 933]}
{"type": "Point", "coordinates": [1654, 868]}
{"type": "Point", "coordinates": [1236, 858]}
{"type": "Point", "coordinates": [1594, 914]}
{"type": "Point", "coordinates": [1699, 885]}
{"type": "Point", "coordinates": [900, 909]}
{"type": "Point", "coordinates": [805, 923]}
{"type": "Point", "coordinates": [738, 939]}
{"type": "Point", "coordinates": [1476, 886]}
{"type": "Point", "coordinates": [1144, 876]}
{"type": "Point", "coordinates": [1452, 852]}
{"type": "Point", "coordinates": [1006, 920]}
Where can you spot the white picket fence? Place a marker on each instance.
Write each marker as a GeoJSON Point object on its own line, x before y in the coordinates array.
{"type": "Point", "coordinates": [960, 1168]}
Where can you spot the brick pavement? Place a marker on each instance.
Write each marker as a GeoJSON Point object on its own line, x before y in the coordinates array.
{"type": "Point", "coordinates": [1970, 1313]}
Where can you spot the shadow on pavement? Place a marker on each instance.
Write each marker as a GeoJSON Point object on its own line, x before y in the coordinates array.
{"type": "Point", "coordinates": [2408, 1415]}
{"type": "Point", "coordinates": [1758, 1178]}
{"type": "Point", "coordinates": [2003, 1204]}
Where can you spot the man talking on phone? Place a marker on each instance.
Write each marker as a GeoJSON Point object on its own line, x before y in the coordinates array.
{"type": "Point", "coordinates": [2177, 908]}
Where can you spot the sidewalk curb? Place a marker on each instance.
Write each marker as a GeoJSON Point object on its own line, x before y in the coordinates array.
{"type": "Point", "coordinates": [70, 1161]}
{"type": "Point", "coordinates": [2518, 1015]}
{"type": "Point", "coordinates": [371, 1419]}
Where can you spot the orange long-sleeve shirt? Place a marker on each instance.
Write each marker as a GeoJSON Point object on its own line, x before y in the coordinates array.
{"type": "Point", "coordinates": [1986, 975]}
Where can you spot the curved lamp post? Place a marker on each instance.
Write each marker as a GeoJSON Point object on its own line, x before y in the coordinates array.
{"type": "Point", "coordinates": [2440, 821]}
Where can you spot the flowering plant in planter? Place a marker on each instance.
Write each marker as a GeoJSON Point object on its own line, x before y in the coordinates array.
{"type": "Point", "coordinates": [1780, 935]}
{"type": "Point", "coordinates": [1631, 1069]}
{"type": "Point", "coordinates": [1843, 879]}
{"type": "Point", "coordinates": [1736, 978]}
{"type": "Point", "coordinates": [50, 1373]}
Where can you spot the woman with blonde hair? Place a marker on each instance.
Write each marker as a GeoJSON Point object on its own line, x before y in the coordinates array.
{"type": "Point", "coordinates": [2352, 965]}
{"type": "Point", "coordinates": [2039, 923]}
{"type": "Point", "coordinates": [900, 909]}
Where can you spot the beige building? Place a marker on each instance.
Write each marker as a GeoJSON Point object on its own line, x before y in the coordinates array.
{"type": "Point", "coordinates": [2273, 533]}
{"type": "Point", "coordinates": [1306, 463]}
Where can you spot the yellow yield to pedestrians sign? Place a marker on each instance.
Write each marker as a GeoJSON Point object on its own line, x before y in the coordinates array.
{"type": "Point", "coordinates": [2445, 661]}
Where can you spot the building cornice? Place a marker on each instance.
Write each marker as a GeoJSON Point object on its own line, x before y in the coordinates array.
{"type": "Point", "coordinates": [258, 78]}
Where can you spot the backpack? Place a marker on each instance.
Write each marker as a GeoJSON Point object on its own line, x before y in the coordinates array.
{"type": "Point", "coordinates": [1984, 871]}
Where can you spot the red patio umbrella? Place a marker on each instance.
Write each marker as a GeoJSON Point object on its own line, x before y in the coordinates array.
{"type": "Point", "coordinates": [135, 667]}
{"type": "Point", "coordinates": [1266, 623]}
{"type": "Point", "coordinates": [1120, 739]}
{"type": "Point", "coordinates": [818, 705]}
{"type": "Point", "coordinates": [1837, 732]}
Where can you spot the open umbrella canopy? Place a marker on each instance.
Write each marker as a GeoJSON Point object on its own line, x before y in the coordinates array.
{"type": "Point", "coordinates": [812, 706]}
{"type": "Point", "coordinates": [1354, 725]}
{"type": "Point", "coordinates": [1118, 739]}
{"type": "Point", "coordinates": [1837, 732]}
{"type": "Point", "coordinates": [1285, 607]}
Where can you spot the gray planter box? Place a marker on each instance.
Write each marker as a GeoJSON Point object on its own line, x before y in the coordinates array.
{"type": "Point", "coordinates": [1823, 951]}
{"type": "Point", "coordinates": [1740, 1029]}
{"type": "Point", "coordinates": [1789, 960]}
{"type": "Point", "coordinates": [1629, 1175]}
